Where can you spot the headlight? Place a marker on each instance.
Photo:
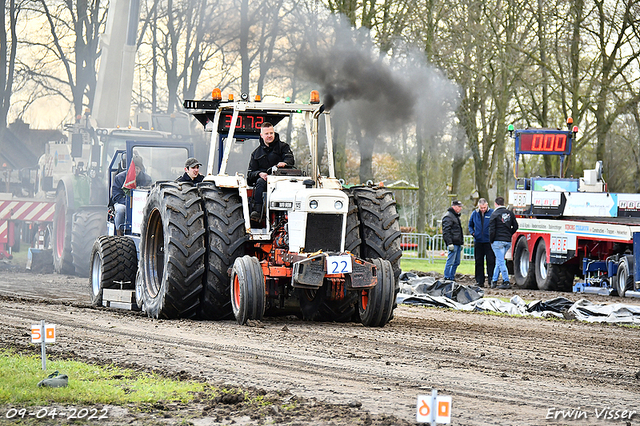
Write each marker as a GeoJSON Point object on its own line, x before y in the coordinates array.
{"type": "Point", "coordinates": [338, 205]}
{"type": "Point", "coordinates": [313, 204]}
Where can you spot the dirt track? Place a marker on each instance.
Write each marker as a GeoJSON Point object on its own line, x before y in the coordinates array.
{"type": "Point", "coordinates": [499, 370]}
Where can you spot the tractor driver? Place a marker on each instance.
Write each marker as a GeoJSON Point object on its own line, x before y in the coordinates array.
{"type": "Point", "coordinates": [271, 152]}
{"type": "Point", "coordinates": [120, 184]}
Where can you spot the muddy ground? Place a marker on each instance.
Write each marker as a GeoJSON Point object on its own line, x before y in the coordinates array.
{"type": "Point", "coordinates": [499, 370]}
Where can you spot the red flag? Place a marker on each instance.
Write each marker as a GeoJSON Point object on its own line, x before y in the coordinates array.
{"type": "Point", "coordinates": [130, 180]}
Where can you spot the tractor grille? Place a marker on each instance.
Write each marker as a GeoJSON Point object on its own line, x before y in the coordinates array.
{"type": "Point", "coordinates": [324, 232]}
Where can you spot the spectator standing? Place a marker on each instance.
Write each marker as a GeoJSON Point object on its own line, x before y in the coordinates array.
{"type": "Point", "coordinates": [453, 238]}
{"type": "Point", "coordinates": [502, 226]}
{"type": "Point", "coordinates": [479, 228]}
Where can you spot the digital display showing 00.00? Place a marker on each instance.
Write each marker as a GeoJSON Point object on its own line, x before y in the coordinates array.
{"type": "Point", "coordinates": [543, 143]}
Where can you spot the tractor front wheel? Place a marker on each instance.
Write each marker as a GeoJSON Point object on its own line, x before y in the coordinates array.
{"type": "Point", "coordinates": [375, 305]}
{"type": "Point", "coordinates": [113, 263]}
{"type": "Point", "coordinates": [248, 293]}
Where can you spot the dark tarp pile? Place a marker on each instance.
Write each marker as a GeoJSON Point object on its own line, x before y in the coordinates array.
{"type": "Point", "coordinates": [427, 291]}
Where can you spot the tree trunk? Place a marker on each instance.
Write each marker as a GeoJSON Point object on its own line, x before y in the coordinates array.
{"type": "Point", "coordinates": [7, 62]}
{"type": "Point", "coordinates": [421, 219]}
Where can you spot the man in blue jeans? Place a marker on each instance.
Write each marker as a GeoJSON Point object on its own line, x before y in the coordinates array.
{"type": "Point", "coordinates": [453, 238]}
{"type": "Point", "coordinates": [479, 228]}
{"type": "Point", "coordinates": [502, 226]}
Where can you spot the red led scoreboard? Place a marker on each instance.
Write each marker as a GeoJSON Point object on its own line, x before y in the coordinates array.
{"type": "Point", "coordinates": [537, 141]}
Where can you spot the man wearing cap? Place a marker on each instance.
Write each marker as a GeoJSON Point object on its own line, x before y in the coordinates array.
{"type": "Point", "coordinates": [118, 195]}
{"type": "Point", "coordinates": [453, 239]}
{"type": "Point", "coordinates": [271, 152]}
{"type": "Point", "coordinates": [191, 172]}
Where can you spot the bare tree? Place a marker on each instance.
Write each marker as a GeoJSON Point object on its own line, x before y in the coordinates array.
{"type": "Point", "coordinates": [614, 28]}
{"type": "Point", "coordinates": [8, 50]}
{"type": "Point", "coordinates": [180, 38]}
{"type": "Point", "coordinates": [74, 28]}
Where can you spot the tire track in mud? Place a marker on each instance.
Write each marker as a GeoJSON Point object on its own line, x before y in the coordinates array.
{"type": "Point", "coordinates": [499, 370]}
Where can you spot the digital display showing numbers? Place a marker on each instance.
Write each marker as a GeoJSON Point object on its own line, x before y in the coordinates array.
{"type": "Point", "coordinates": [247, 123]}
{"type": "Point", "coordinates": [558, 143]}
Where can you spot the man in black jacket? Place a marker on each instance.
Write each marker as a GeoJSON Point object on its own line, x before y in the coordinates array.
{"type": "Point", "coordinates": [191, 172]}
{"type": "Point", "coordinates": [271, 152]}
{"type": "Point", "coordinates": [453, 238]}
{"type": "Point", "coordinates": [502, 226]}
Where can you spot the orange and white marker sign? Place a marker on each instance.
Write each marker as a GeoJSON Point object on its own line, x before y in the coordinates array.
{"type": "Point", "coordinates": [424, 414]}
{"type": "Point", "coordinates": [443, 407]}
{"type": "Point", "coordinates": [49, 333]}
{"type": "Point", "coordinates": [433, 408]}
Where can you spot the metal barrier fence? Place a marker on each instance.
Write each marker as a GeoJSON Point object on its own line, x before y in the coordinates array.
{"type": "Point", "coordinates": [427, 247]}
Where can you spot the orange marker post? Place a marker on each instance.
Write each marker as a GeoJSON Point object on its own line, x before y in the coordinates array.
{"type": "Point", "coordinates": [434, 408]}
{"type": "Point", "coordinates": [43, 333]}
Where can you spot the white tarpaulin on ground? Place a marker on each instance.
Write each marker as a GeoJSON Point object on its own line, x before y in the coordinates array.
{"type": "Point", "coordinates": [427, 291]}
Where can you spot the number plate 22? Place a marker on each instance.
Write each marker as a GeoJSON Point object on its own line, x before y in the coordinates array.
{"type": "Point", "coordinates": [339, 264]}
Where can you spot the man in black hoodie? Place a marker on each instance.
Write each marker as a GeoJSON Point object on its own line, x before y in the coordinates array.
{"type": "Point", "coordinates": [453, 238]}
{"type": "Point", "coordinates": [271, 152]}
{"type": "Point", "coordinates": [502, 226]}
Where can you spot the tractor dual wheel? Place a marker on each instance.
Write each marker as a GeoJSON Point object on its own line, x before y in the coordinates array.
{"type": "Point", "coordinates": [525, 274]}
{"type": "Point", "coordinates": [87, 225]}
{"type": "Point", "coordinates": [172, 251]}
{"type": "Point", "coordinates": [379, 227]}
{"type": "Point", "coordinates": [61, 241]}
{"type": "Point", "coordinates": [375, 305]}
{"type": "Point", "coordinates": [113, 264]}
{"type": "Point", "coordinates": [352, 240]}
{"type": "Point", "coordinates": [248, 293]}
{"type": "Point", "coordinates": [225, 241]}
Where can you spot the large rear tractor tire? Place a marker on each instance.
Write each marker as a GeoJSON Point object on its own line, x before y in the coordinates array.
{"type": "Point", "coordinates": [375, 305]}
{"type": "Point", "coordinates": [225, 239]}
{"type": "Point", "coordinates": [113, 264]}
{"type": "Point", "coordinates": [61, 241]}
{"type": "Point", "coordinates": [379, 228]}
{"type": "Point", "coordinates": [172, 252]}
{"type": "Point", "coordinates": [352, 240]}
{"type": "Point", "coordinates": [625, 280]}
{"type": "Point", "coordinates": [87, 226]}
{"type": "Point", "coordinates": [248, 292]}
{"type": "Point", "coordinates": [525, 275]}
